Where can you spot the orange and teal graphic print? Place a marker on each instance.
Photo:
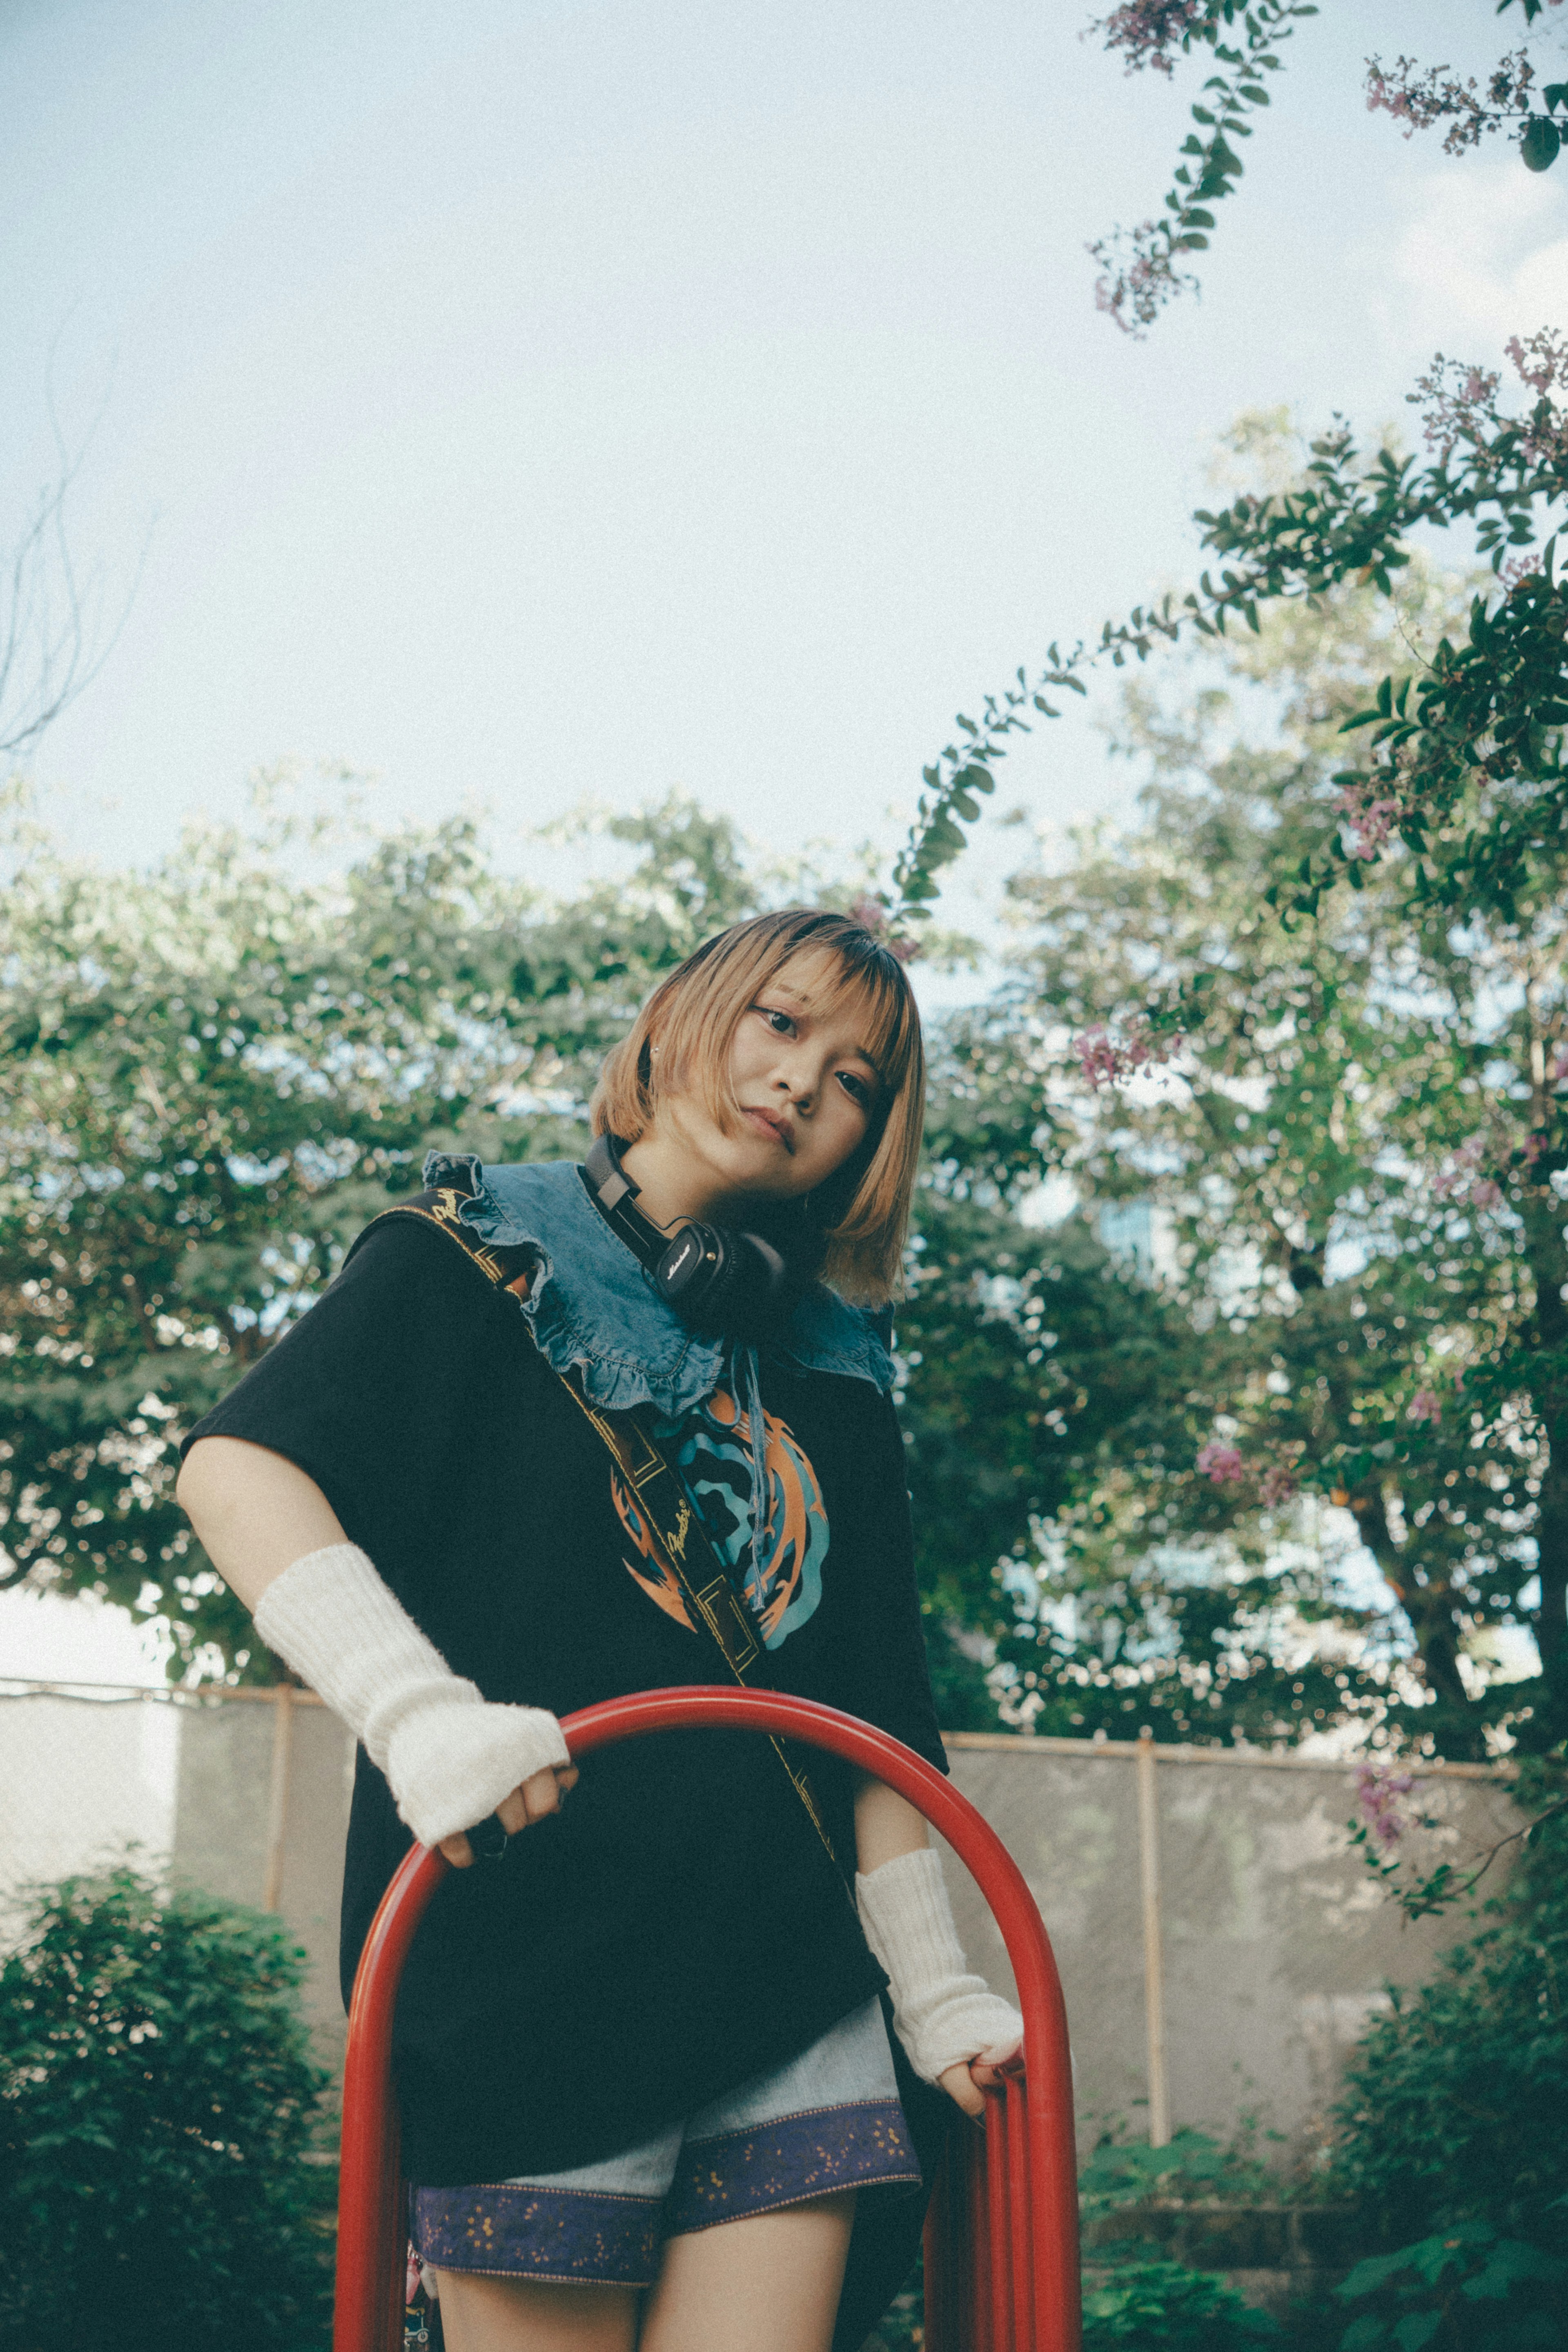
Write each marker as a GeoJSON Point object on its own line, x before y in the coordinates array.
{"type": "Point", "coordinates": [710, 1448]}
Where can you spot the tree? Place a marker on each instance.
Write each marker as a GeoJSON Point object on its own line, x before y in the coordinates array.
{"type": "Point", "coordinates": [1351, 1168]}
{"type": "Point", "coordinates": [51, 645]}
{"type": "Point", "coordinates": [215, 1075]}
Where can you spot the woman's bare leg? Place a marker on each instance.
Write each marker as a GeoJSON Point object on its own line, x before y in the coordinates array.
{"type": "Point", "coordinates": [509, 2314]}
{"type": "Point", "coordinates": [769, 2284]}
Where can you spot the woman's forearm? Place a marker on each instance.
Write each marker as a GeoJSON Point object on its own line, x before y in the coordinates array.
{"type": "Point", "coordinates": [255, 1512]}
{"type": "Point", "coordinates": [886, 1825]}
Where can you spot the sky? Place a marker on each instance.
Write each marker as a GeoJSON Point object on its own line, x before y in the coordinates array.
{"type": "Point", "coordinates": [545, 401]}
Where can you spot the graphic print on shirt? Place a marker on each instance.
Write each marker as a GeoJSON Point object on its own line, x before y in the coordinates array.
{"type": "Point", "coordinates": [710, 1448]}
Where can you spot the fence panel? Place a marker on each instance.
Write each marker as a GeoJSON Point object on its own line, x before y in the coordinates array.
{"type": "Point", "coordinates": [1221, 1946]}
{"type": "Point", "coordinates": [233, 1793]}
{"type": "Point", "coordinates": [1272, 1944]}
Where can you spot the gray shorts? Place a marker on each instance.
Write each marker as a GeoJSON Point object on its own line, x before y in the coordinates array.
{"type": "Point", "coordinates": [827, 2121]}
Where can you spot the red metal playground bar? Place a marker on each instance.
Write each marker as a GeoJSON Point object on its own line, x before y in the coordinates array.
{"type": "Point", "coordinates": [1001, 2240]}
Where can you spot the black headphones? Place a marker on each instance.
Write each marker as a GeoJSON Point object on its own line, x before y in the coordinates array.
{"type": "Point", "coordinates": [724, 1284]}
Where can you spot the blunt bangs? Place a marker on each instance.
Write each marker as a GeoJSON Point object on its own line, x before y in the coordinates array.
{"type": "Point", "coordinates": [863, 1213]}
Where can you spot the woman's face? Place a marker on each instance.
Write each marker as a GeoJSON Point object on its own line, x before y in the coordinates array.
{"type": "Point", "coordinates": [806, 1087]}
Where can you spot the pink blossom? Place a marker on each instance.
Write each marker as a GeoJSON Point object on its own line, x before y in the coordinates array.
{"type": "Point", "coordinates": [1540, 361]}
{"type": "Point", "coordinates": [1368, 823]}
{"type": "Point", "coordinates": [1377, 1793]}
{"type": "Point", "coordinates": [1461, 1180]}
{"type": "Point", "coordinates": [1518, 568]}
{"type": "Point", "coordinates": [1425, 1405]}
{"type": "Point", "coordinates": [872, 916]}
{"type": "Point", "coordinates": [1459, 402]}
{"type": "Point", "coordinates": [1420, 100]}
{"type": "Point", "coordinates": [1277, 1485]}
{"type": "Point", "coordinates": [1097, 1058]}
{"type": "Point", "coordinates": [1151, 30]}
{"type": "Point", "coordinates": [1222, 1463]}
{"type": "Point", "coordinates": [1136, 278]}
{"type": "Point", "coordinates": [1103, 1061]}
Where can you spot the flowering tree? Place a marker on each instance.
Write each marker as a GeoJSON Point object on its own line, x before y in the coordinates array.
{"type": "Point", "coordinates": [1143, 268]}
{"type": "Point", "coordinates": [1348, 1134]}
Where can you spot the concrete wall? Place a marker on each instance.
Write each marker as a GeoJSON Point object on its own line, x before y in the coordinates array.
{"type": "Point", "coordinates": [198, 1787]}
{"type": "Point", "coordinates": [1275, 1943]}
{"type": "Point", "coordinates": [230, 1781]}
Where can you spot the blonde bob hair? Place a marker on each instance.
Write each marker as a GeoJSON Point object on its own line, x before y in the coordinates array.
{"type": "Point", "coordinates": [859, 1217]}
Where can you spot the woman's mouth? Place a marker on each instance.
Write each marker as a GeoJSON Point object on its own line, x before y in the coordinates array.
{"type": "Point", "coordinates": [774, 1129]}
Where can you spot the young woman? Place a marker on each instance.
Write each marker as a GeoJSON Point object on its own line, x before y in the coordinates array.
{"type": "Point", "coordinates": [658, 2011]}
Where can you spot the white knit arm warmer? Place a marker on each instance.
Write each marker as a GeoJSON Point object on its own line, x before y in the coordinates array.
{"type": "Point", "coordinates": [943, 2014]}
{"type": "Point", "coordinates": [449, 1755]}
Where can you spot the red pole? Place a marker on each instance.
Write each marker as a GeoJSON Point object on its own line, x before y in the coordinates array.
{"type": "Point", "coordinates": [371, 2220]}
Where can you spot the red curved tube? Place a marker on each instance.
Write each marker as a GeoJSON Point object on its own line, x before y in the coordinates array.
{"type": "Point", "coordinates": [1024, 2196]}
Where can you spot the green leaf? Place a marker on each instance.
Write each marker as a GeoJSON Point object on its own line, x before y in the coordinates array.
{"type": "Point", "coordinates": [1538, 148]}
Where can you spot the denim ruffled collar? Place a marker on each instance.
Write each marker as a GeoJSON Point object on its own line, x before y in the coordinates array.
{"type": "Point", "coordinates": [591, 1305]}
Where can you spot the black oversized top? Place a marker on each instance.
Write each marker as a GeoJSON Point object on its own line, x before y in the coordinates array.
{"type": "Point", "coordinates": [679, 1927]}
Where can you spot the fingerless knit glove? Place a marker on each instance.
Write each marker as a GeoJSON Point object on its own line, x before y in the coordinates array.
{"type": "Point", "coordinates": [943, 2014]}
{"type": "Point", "coordinates": [449, 1755]}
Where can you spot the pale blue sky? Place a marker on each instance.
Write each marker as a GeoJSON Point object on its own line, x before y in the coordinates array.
{"type": "Point", "coordinates": [538, 398]}
{"type": "Point", "coordinates": [533, 399]}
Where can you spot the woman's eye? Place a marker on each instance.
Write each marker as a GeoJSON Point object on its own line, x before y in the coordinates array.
{"type": "Point", "coordinates": [856, 1088]}
{"type": "Point", "coordinates": [779, 1023]}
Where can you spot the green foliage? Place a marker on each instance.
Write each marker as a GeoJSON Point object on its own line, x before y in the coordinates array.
{"type": "Point", "coordinates": [1467, 763]}
{"type": "Point", "coordinates": [954, 784]}
{"type": "Point", "coordinates": [1454, 2103]}
{"type": "Point", "coordinates": [1140, 2299]}
{"type": "Point", "coordinates": [214, 1075]}
{"type": "Point", "coordinates": [1191, 2166]}
{"type": "Point", "coordinates": [1469, 2289]}
{"type": "Point", "coordinates": [1347, 1292]}
{"type": "Point", "coordinates": [158, 2106]}
{"type": "Point", "coordinates": [1423, 1894]}
{"type": "Point", "coordinates": [1165, 2308]}
{"type": "Point", "coordinates": [1141, 268]}
{"type": "Point", "coordinates": [1468, 780]}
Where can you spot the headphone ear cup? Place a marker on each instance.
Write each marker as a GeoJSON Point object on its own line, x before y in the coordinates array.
{"type": "Point", "coordinates": [722, 1282]}
{"type": "Point", "coordinates": [687, 1271]}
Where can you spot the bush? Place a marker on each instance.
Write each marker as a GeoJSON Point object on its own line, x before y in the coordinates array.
{"type": "Point", "coordinates": [1454, 2102]}
{"type": "Point", "coordinates": [1452, 2138]}
{"type": "Point", "coordinates": [1450, 2290]}
{"type": "Point", "coordinates": [158, 2104]}
{"type": "Point", "coordinates": [1165, 2308]}
{"type": "Point", "coordinates": [1190, 2167]}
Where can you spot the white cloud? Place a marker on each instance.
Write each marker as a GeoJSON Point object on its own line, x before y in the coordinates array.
{"type": "Point", "coordinates": [1482, 255]}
